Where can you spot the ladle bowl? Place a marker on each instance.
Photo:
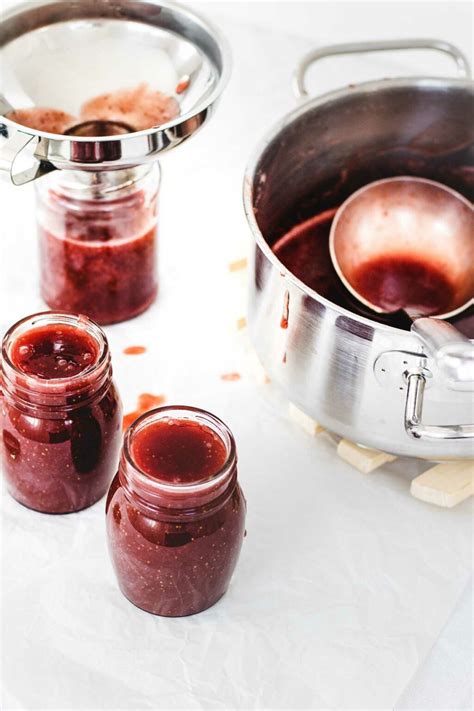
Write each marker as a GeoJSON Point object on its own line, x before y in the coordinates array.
{"type": "Point", "coordinates": [412, 222]}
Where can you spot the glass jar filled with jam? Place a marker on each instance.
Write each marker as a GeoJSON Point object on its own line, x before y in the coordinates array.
{"type": "Point", "coordinates": [60, 414]}
{"type": "Point", "coordinates": [175, 512]}
{"type": "Point", "coordinates": [97, 236]}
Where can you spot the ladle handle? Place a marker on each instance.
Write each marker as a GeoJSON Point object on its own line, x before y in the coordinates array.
{"type": "Point", "coordinates": [299, 77]}
{"type": "Point", "coordinates": [11, 150]}
{"type": "Point", "coordinates": [453, 352]}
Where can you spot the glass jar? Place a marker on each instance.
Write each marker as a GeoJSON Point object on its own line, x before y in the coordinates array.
{"type": "Point", "coordinates": [175, 543]}
{"type": "Point", "coordinates": [60, 414]}
{"type": "Point", "coordinates": [97, 236]}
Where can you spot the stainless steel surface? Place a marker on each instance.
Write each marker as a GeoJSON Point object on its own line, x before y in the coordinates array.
{"type": "Point", "coordinates": [347, 371]}
{"type": "Point", "coordinates": [417, 218]}
{"type": "Point", "coordinates": [414, 413]}
{"type": "Point", "coordinates": [191, 44]}
{"type": "Point", "coordinates": [11, 151]}
{"type": "Point", "coordinates": [453, 352]}
{"type": "Point", "coordinates": [299, 77]}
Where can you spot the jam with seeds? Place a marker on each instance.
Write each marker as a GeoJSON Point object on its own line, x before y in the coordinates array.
{"type": "Point", "coordinates": [60, 414]}
{"type": "Point", "coordinates": [98, 235]}
{"type": "Point", "coordinates": [175, 512]}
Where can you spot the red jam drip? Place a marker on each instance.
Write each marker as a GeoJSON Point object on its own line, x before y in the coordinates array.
{"type": "Point", "coordinates": [145, 402]}
{"type": "Point", "coordinates": [134, 350]}
{"type": "Point", "coordinates": [51, 352]}
{"type": "Point", "coordinates": [395, 282]}
{"type": "Point", "coordinates": [178, 451]}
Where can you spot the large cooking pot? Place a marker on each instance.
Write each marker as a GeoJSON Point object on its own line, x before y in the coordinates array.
{"type": "Point", "coordinates": [367, 381]}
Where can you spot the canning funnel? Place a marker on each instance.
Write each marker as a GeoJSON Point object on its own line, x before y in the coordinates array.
{"type": "Point", "coordinates": [103, 84]}
{"type": "Point", "coordinates": [407, 243]}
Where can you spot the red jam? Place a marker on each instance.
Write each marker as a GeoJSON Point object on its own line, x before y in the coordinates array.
{"type": "Point", "coordinates": [175, 512]}
{"type": "Point", "coordinates": [60, 416]}
{"type": "Point", "coordinates": [395, 282]}
{"type": "Point", "coordinates": [178, 451]}
{"type": "Point", "coordinates": [98, 244]}
{"type": "Point", "coordinates": [54, 352]}
{"type": "Point", "coordinates": [304, 250]}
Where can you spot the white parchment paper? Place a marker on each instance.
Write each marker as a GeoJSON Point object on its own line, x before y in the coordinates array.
{"type": "Point", "coordinates": [345, 581]}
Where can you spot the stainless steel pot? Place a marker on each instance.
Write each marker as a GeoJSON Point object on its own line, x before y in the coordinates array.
{"type": "Point", "coordinates": [372, 383]}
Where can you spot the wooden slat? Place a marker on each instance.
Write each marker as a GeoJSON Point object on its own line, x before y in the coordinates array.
{"type": "Point", "coordinates": [363, 459]}
{"type": "Point", "coordinates": [304, 421]}
{"type": "Point", "coordinates": [445, 484]}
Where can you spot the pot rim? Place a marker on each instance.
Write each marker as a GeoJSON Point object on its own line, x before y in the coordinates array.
{"type": "Point", "coordinates": [360, 89]}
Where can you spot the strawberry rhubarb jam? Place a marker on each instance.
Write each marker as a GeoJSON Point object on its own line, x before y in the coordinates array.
{"type": "Point", "coordinates": [175, 512]}
{"type": "Point", "coordinates": [60, 414]}
{"type": "Point", "coordinates": [97, 235]}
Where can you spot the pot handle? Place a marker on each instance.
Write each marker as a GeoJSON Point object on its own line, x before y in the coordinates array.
{"type": "Point", "coordinates": [11, 150]}
{"type": "Point", "coordinates": [413, 416]}
{"type": "Point", "coordinates": [452, 351]}
{"type": "Point", "coordinates": [299, 77]}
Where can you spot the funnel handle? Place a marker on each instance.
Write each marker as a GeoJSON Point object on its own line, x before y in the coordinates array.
{"type": "Point", "coordinates": [10, 151]}
{"type": "Point", "coordinates": [453, 352]}
{"type": "Point", "coordinates": [299, 77]}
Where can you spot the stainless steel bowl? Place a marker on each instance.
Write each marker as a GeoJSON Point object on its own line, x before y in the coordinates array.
{"type": "Point", "coordinates": [372, 383]}
{"type": "Point", "coordinates": [35, 33]}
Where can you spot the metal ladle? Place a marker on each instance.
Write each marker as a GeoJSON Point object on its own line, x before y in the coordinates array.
{"type": "Point", "coordinates": [413, 219]}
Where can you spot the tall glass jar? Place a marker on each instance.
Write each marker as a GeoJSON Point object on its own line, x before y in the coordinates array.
{"type": "Point", "coordinates": [60, 414]}
{"type": "Point", "coordinates": [175, 542]}
{"type": "Point", "coordinates": [97, 236]}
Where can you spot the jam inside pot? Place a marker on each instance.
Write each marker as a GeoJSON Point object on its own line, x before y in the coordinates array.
{"type": "Point", "coordinates": [304, 250]}
{"type": "Point", "coordinates": [98, 234]}
{"type": "Point", "coordinates": [175, 512]}
{"type": "Point", "coordinates": [60, 415]}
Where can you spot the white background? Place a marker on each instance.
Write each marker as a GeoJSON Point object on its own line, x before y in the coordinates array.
{"type": "Point", "coordinates": [349, 593]}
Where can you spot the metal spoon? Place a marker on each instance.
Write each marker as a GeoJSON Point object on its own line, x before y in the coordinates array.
{"type": "Point", "coordinates": [408, 243]}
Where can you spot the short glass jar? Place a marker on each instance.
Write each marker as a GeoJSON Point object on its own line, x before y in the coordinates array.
{"type": "Point", "coordinates": [60, 414]}
{"type": "Point", "coordinates": [97, 235]}
{"type": "Point", "coordinates": [175, 541]}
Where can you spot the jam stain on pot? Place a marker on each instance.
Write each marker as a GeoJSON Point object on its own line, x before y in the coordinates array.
{"type": "Point", "coordinates": [286, 311]}
{"type": "Point", "coordinates": [175, 515]}
{"type": "Point", "coordinates": [394, 282]}
{"type": "Point", "coordinates": [60, 414]}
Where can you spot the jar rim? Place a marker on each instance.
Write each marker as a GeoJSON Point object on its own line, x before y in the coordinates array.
{"type": "Point", "coordinates": [105, 186]}
{"type": "Point", "coordinates": [30, 323]}
{"type": "Point", "coordinates": [182, 412]}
